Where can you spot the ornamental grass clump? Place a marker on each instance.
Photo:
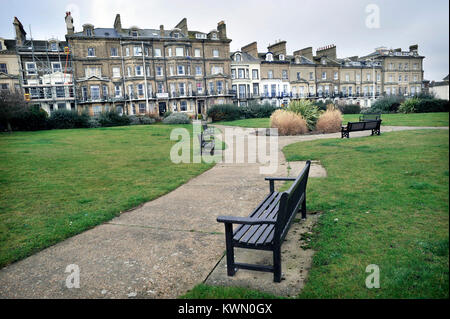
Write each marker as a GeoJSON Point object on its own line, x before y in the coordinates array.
{"type": "Point", "coordinates": [329, 121]}
{"type": "Point", "coordinates": [308, 110]}
{"type": "Point", "coordinates": [288, 123]}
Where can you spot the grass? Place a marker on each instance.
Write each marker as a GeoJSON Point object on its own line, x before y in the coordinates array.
{"type": "Point", "coordinates": [397, 119]}
{"type": "Point", "coordinates": [55, 184]}
{"type": "Point", "coordinates": [385, 202]}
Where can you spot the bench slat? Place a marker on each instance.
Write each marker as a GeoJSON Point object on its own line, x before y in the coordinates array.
{"type": "Point", "coordinates": [270, 211]}
{"type": "Point", "coordinates": [259, 234]}
{"type": "Point", "coordinates": [241, 230]}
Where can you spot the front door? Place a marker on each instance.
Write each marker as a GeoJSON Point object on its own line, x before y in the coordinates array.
{"type": "Point", "coordinates": [162, 108]}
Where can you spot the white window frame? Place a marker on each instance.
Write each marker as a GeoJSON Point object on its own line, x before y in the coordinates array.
{"type": "Point", "coordinates": [116, 72]}
{"type": "Point", "coordinates": [215, 53]}
{"type": "Point", "coordinates": [179, 51]}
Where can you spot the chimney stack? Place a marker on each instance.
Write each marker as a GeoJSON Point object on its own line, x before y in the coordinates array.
{"type": "Point", "coordinates": [306, 52]}
{"type": "Point", "coordinates": [21, 35]}
{"type": "Point", "coordinates": [251, 49]}
{"type": "Point", "coordinates": [161, 30]}
{"type": "Point", "coordinates": [118, 23]}
{"type": "Point", "coordinates": [222, 28]}
{"type": "Point", "coordinates": [277, 48]}
{"type": "Point", "coordinates": [69, 23]}
{"type": "Point", "coordinates": [182, 25]}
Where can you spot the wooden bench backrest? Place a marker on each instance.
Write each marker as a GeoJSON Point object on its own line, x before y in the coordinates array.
{"type": "Point", "coordinates": [370, 116]}
{"type": "Point", "coordinates": [356, 126]}
{"type": "Point", "coordinates": [371, 125]}
{"type": "Point", "coordinates": [290, 202]}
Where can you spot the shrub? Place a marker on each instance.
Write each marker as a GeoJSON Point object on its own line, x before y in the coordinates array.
{"type": "Point", "coordinates": [112, 118]}
{"type": "Point", "coordinates": [308, 110]}
{"type": "Point", "coordinates": [257, 110]}
{"type": "Point", "coordinates": [329, 121]}
{"type": "Point", "coordinates": [432, 105]}
{"type": "Point", "coordinates": [387, 104]}
{"type": "Point", "coordinates": [166, 114]}
{"type": "Point", "coordinates": [224, 112]}
{"type": "Point", "coordinates": [288, 123]}
{"type": "Point", "coordinates": [66, 119]}
{"type": "Point", "coordinates": [350, 109]}
{"type": "Point", "coordinates": [409, 105]}
{"type": "Point", "coordinates": [93, 122]}
{"type": "Point", "coordinates": [177, 118]}
{"type": "Point", "coordinates": [323, 105]}
{"type": "Point", "coordinates": [141, 120]}
{"type": "Point", "coordinates": [32, 118]}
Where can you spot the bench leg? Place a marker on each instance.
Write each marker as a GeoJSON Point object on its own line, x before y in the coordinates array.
{"type": "Point", "coordinates": [231, 269]}
{"type": "Point", "coordinates": [277, 264]}
{"type": "Point", "coordinates": [303, 210]}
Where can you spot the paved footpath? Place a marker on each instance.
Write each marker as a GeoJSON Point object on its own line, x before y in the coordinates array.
{"type": "Point", "coordinates": [159, 250]}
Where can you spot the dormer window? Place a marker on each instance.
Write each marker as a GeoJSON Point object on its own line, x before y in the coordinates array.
{"type": "Point", "coordinates": [269, 57]}
{"type": "Point", "coordinates": [176, 35]}
{"type": "Point", "coordinates": [214, 35]}
{"type": "Point", "coordinates": [200, 36]}
{"type": "Point", "coordinates": [238, 58]}
{"type": "Point", "coordinates": [134, 33]}
{"type": "Point", "coordinates": [54, 46]}
{"type": "Point", "coordinates": [324, 62]}
{"type": "Point", "coordinates": [281, 57]}
{"type": "Point", "coordinates": [89, 32]}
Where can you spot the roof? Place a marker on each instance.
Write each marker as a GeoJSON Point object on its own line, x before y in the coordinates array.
{"type": "Point", "coordinates": [246, 57]}
{"type": "Point", "coordinates": [142, 33]}
{"type": "Point", "coordinates": [10, 46]}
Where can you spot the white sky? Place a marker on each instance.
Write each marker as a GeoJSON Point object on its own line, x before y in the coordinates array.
{"type": "Point", "coordinates": [301, 23]}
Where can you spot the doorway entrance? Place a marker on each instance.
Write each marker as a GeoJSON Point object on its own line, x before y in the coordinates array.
{"type": "Point", "coordinates": [162, 108]}
{"type": "Point", "coordinates": [200, 107]}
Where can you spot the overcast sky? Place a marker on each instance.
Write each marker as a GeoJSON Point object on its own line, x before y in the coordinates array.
{"type": "Point", "coordinates": [302, 23]}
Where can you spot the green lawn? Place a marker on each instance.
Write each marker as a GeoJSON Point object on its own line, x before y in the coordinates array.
{"type": "Point", "coordinates": [398, 119]}
{"type": "Point", "coordinates": [385, 202]}
{"type": "Point", "coordinates": [55, 184]}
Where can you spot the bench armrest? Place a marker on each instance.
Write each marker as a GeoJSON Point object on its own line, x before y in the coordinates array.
{"type": "Point", "coordinates": [273, 179]}
{"type": "Point", "coordinates": [244, 220]}
{"type": "Point", "coordinates": [280, 178]}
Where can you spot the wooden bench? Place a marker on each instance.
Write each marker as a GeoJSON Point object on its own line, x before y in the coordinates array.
{"type": "Point", "coordinates": [206, 143]}
{"type": "Point", "coordinates": [206, 129]}
{"type": "Point", "coordinates": [267, 226]}
{"type": "Point", "coordinates": [373, 125]}
{"type": "Point", "coordinates": [370, 117]}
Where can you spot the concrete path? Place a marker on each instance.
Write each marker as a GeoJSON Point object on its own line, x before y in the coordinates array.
{"type": "Point", "coordinates": [159, 250]}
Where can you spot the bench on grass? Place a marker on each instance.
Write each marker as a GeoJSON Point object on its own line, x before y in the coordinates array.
{"type": "Point", "coordinates": [370, 117]}
{"type": "Point", "coordinates": [373, 125]}
{"type": "Point", "coordinates": [206, 144]}
{"type": "Point", "coordinates": [267, 226]}
{"type": "Point", "coordinates": [206, 129]}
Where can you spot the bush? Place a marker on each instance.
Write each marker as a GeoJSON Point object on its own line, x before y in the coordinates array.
{"type": "Point", "coordinates": [141, 120]}
{"type": "Point", "coordinates": [166, 114]}
{"type": "Point", "coordinates": [323, 105]}
{"type": "Point", "coordinates": [224, 112]}
{"type": "Point", "coordinates": [112, 118]}
{"type": "Point", "coordinates": [329, 121]}
{"type": "Point", "coordinates": [66, 119]}
{"type": "Point", "coordinates": [31, 119]}
{"type": "Point", "coordinates": [350, 109]}
{"type": "Point", "coordinates": [432, 105]}
{"type": "Point", "coordinates": [387, 104]}
{"type": "Point", "coordinates": [257, 110]}
{"type": "Point", "coordinates": [308, 110]}
{"type": "Point", "coordinates": [288, 123]}
{"type": "Point", "coordinates": [409, 105]}
{"type": "Point", "coordinates": [93, 123]}
{"type": "Point", "coordinates": [177, 118]}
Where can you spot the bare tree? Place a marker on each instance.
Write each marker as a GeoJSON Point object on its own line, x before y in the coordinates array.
{"type": "Point", "coordinates": [12, 104]}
